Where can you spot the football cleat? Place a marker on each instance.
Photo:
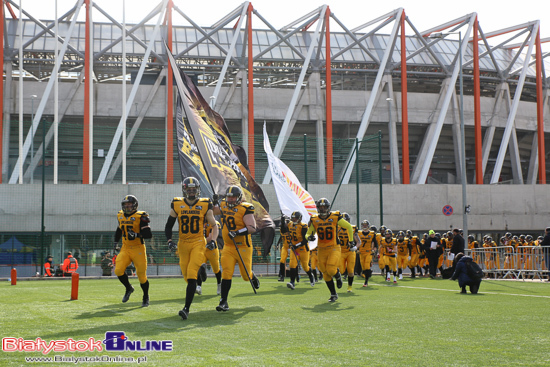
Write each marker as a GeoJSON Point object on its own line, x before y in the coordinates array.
{"type": "Point", "coordinates": [198, 290]}
{"type": "Point", "coordinates": [400, 276]}
{"type": "Point", "coordinates": [126, 297]}
{"type": "Point", "coordinates": [223, 306]}
{"type": "Point", "coordinates": [365, 285]}
{"type": "Point", "coordinates": [145, 302]}
{"type": "Point", "coordinates": [349, 288]}
{"type": "Point", "coordinates": [281, 278]}
{"type": "Point", "coordinates": [290, 285]}
{"type": "Point", "coordinates": [339, 281]}
{"type": "Point", "coordinates": [184, 313]}
{"type": "Point", "coordinates": [333, 298]}
{"type": "Point", "coordinates": [219, 291]}
{"type": "Point", "coordinates": [255, 282]}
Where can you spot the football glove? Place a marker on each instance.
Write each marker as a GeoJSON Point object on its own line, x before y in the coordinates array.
{"type": "Point", "coordinates": [351, 245]}
{"type": "Point", "coordinates": [215, 200]}
{"type": "Point", "coordinates": [211, 245]}
{"type": "Point", "coordinates": [311, 238]}
{"type": "Point", "coordinates": [172, 246]}
{"type": "Point", "coordinates": [131, 235]}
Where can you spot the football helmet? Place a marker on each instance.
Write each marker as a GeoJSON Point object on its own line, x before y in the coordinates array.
{"type": "Point", "coordinates": [233, 196]}
{"type": "Point", "coordinates": [365, 225]}
{"type": "Point", "coordinates": [388, 233]}
{"type": "Point", "coordinates": [296, 216]}
{"type": "Point", "coordinates": [373, 228]}
{"type": "Point", "coordinates": [346, 217]}
{"type": "Point", "coordinates": [191, 188]}
{"type": "Point", "coordinates": [529, 238]}
{"type": "Point", "coordinates": [129, 204]}
{"type": "Point", "coordinates": [471, 238]}
{"type": "Point", "coordinates": [409, 233]}
{"type": "Point", "coordinates": [508, 235]}
{"type": "Point", "coordinates": [401, 235]}
{"type": "Point", "coordinates": [383, 229]}
{"type": "Point", "coordinates": [323, 207]}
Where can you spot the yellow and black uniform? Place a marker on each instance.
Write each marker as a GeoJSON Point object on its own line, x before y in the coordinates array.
{"type": "Point", "coordinates": [366, 249]}
{"type": "Point", "coordinates": [415, 249]}
{"type": "Point", "coordinates": [314, 263]}
{"type": "Point", "coordinates": [389, 245]}
{"type": "Point", "coordinates": [233, 221]}
{"type": "Point", "coordinates": [326, 228]}
{"type": "Point", "coordinates": [212, 256]}
{"type": "Point", "coordinates": [285, 243]}
{"type": "Point", "coordinates": [133, 227]}
{"type": "Point", "coordinates": [191, 241]}
{"type": "Point", "coordinates": [403, 253]}
{"type": "Point", "coordinates": [298, 248]}
{"type": "Point", "coordinates": [381, 260]}
{"type": "Point", "coordinates": [347, 256]}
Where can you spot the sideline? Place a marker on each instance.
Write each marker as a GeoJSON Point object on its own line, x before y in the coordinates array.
{"type": "Point", "coordinates": [454, 290]}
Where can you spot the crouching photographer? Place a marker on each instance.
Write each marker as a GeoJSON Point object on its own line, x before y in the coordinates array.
{"type": "Point", "coordinates": [467, 272]}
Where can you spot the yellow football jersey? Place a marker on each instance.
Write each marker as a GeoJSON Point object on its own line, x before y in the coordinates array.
{"type": "Point", "coordinates": [415, 245]}
{"type": "Point", "coordinates": [296, 232]}
{"type": "Point", "coordinates": [131, 222]}
{"type": "Point", "coordinates": [327, 229]}
{"type": "Point", "coordinates": [286, 238]}
{"type": "Point", "coordinates": [233, 220]}
{"type": "Point", "coordinates": [344, 237]}
{"type": "Point", "coordinates": [403, 247]}
{"type": "Point", "coordinates": [367, 239]}
{"type": "Point", "coordinates": [191, 218]}
{"type": "Point", "coordinates": [389, 247]}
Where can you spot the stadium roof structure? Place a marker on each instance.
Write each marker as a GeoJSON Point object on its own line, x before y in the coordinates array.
{"type": "Point", "coordinates": [435, 60]}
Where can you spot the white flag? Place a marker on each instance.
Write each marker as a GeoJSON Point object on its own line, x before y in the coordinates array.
{"type": "Point", "coordinates": [290, 193]}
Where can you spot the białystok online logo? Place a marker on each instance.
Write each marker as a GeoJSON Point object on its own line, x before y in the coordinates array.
{"type": "Point", "coordinates": [114, 341]}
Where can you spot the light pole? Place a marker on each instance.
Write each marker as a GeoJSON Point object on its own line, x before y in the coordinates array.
{"type": "Point", "coordinates": [465, 206]}
{"type": "Point", "coordinates": [32, 135]}
{"type": "Point", "coordinates": [390, 134]}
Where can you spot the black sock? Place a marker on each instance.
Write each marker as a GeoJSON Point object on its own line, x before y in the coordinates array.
{"type": "Point", "coordinates": [282, 270]}
{"type": "Point", "coordinates": [310, 275]}
{"type": "Point", "coordinates": [226, 286]}
{"type": "Point", "coordinates": [199, 280]}
{"type": "Point", "coordinates": [350, 280]}
{"type": "Point", "coordinates": [124, 280]}
{"type": "Point", "coordinates": [219, 277]}
{"type": "Point", "coordinates": [190, 292]}
{"type": "Point", "coordinates": [400, 271]}
{"type": "Point", "coordinates": [293, 273]}
{"type": "Point", "coordinates": [145, 288]}
{"type": "Point", "coordinates": [331, 287]}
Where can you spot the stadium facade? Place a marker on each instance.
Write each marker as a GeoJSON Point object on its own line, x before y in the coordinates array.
{"type": "Point", "coordinates": [415, 98]}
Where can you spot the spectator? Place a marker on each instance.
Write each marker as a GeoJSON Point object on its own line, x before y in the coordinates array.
{"type": "Point", "coordinates": [70, 265]}
{"type": "Point", "coordinates": [546, 248]}
{"type": "Point", "coordinates": [458, 242]}
{"type": "Point", "coordinates": [461, 274]}
{"type": "Point", "coordinates": [49, 270]}
{"type": "Point", "coordinates": [107, 264]}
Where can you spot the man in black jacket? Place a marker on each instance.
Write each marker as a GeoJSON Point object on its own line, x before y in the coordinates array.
{"type": "Point", "coordinates": [433, 248]}
{"type": "Point", "coordinates": [546, 244]}
{"type": "Point", "coordinates": [458, 242]}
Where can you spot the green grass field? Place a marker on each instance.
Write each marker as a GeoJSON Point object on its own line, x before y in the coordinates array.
{"type": "Point", "coordinates": [419, 322]}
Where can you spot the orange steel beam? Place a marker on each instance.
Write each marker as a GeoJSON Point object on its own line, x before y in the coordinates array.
{"type": "Point", "coordinates": [540, 113]}
{"type": "Point", "coordinates": [1, 85]}
{"type": "Point", "coordinates": [477, 107]}
{"type": "Point", "coordinates": [87, 80]}
{"type": "Point", "coordinates": [251, 156]}
{"type": "Point", "coordinates": [328, 70]}
{"type": "Point", "coordinates": [170, 105]}
{"type": "Point", "coordinates": [404, 104]}
{"type": "Point", "coordinates": [11, 10]}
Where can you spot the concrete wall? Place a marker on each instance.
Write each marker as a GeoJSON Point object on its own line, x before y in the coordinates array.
{"type": "Point", "coordinates": [92, 208]}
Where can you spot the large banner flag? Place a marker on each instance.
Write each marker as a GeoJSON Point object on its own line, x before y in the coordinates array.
{"type": "Point", "coordinates": [290, 193]}
{"type": "Point", "coordinates": [207, 152]}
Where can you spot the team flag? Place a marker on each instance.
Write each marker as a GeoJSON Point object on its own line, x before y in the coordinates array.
{"type": "Point", "coordinates": [207, 152]}
{"type": "Point", "coordinates": [290, 193]}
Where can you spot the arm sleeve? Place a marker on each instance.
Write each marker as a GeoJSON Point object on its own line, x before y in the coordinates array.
{"type": "Point", "coordinates": [168, 227]}
{"type": "Point", "coordinates": [144, 228]}
{"type": "Point", "coordinates": [284, 227]}
{"type": "Point", "coordinates": [118, 234]}
{"type": "Point", "coordinates": [304, 237]}
{"type": "Point", "coordinates": [345, 224]}
{"type": "Point", "coordinates": [310, 231]}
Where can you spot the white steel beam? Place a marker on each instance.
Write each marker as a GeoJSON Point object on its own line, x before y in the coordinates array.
{"type": "Point", "coordinates": [423, 174]}
{"type": "Point", "coordinates": [236, 34]}
{"type": "Point", "coordinates": [512, 116]}
{"type": "Point", "coordinates": [285, 129]}
{"type": "Point", "coordinates": [365, 120]}
{"type": "Point", "coordinates": [122, 122]}
{"type": "Point", "coordinates": [18, 170]}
